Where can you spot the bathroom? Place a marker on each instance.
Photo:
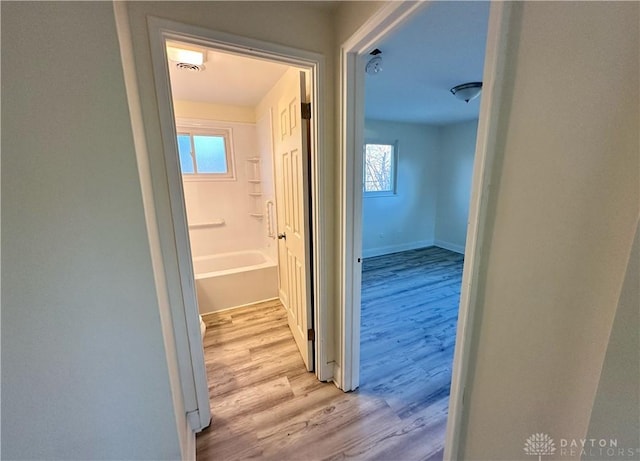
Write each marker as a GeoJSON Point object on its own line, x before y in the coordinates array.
{"type": "Point", "coordinates": [225, 108]}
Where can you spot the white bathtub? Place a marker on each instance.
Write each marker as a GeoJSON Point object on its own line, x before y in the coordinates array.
{"type": "Point", "coordinates": [234, 279]}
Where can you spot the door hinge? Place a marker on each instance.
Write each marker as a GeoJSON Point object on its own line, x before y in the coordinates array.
{"type": "Point", "coordinates": [306, 110]}
{"type": "Point", "coordinates": [311, 335]}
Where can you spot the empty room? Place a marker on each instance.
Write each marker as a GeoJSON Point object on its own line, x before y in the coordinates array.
{"type": "Point", "coordinates": [422, 100]}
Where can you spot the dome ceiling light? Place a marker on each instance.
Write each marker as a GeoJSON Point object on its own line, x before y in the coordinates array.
{"type": "Point", "coordinates": [467, 91]}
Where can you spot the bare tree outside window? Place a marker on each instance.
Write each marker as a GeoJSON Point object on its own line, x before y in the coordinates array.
{"type": "Point", "coordinates": [378, 168]}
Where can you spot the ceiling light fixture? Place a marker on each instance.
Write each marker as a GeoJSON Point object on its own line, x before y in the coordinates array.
{"type": "Point", "coordinates": [374, 66]}
{"type": "Point", "coordinates": [467, 91]}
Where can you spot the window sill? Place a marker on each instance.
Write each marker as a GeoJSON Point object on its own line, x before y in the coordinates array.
{"type": "Point", "coordinates": [379, 194]}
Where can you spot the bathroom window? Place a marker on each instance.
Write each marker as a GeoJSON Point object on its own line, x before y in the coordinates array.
{"type": "Point", "coordinates": [379, 169]}
{"type": "Point", "coordinates": [205, 154]}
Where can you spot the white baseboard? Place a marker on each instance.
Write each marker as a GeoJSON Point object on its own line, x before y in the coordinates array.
{"type": "Point", "coordinates": [337, 376]}
{"type": "Point", "coordinates": [370, 252]}
{"type": "Point", "coordinates": [449, 246]}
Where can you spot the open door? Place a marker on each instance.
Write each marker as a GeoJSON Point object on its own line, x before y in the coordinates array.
{"type": "Point", "coordinates": [292, 184]}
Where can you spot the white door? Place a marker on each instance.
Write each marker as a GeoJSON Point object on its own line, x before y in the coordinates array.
{"type": "Point", "coordinates": [292, 184]}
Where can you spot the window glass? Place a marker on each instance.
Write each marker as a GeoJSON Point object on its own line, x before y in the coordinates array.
{"type": "Point", "coordinates": [184, 150]}
{"type": "Point", "coordinates": [379, 168]}
{"type": "Point", "coordinates": [211, 156]}
{"type": "Point", "coordinates": [205, 153]}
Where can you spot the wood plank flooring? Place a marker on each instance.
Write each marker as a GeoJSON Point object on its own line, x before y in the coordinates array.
{"type": "Point", "coordinates": [266, 406]}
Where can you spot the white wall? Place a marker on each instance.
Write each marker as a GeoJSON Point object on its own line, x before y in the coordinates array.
{"type": "Point", "coordinates": [405, 220]}
{"type": "Point", "coordinates": [434, 186]}
{"type": "Point", "coordinates": [83, 228]}
{"type": "Point", "coordinates": [209, 111]}
{"type": "Point", "coordinates": [84, 370]}
{"type": "Point", "coordinates": [209, 201]}
{"type": "Point", "coordinates": [264, 126]}
{"type": "Point", "coordinates": [562, 215]}
{"type": "Point", "coordinates": [457, 145]}
{"type": "Point", "coordinates": [351, 15]}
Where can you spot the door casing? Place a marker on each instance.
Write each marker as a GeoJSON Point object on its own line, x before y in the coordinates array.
{"type": "Point", "coordinates": [192, 371]}
{"type": "Point", "coordinates": [388, 19]}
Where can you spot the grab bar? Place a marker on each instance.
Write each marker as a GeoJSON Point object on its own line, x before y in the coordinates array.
{"type": "Point", "coordinates": [269, 212]}
{"type": "Point", "coordinates": [214, 223]}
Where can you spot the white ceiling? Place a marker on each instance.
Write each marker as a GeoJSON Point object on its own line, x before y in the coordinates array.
{"type": "Point", "coordinates": [227, 79]}
{"type": "Point", "coordinates": [441, 46]}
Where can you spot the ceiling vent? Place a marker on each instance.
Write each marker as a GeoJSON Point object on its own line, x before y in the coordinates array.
{"type": "Point", "coordinates": [191, 60]}
{"type": "Point", "coordinates": [190, 67]}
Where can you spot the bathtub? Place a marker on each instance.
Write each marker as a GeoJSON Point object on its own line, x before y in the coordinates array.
{"type": "Point", "coordinates": [234, 279]}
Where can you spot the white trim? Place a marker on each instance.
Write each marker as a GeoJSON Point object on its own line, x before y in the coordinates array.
{"type": "Point", "coordinates": [191, 354]}
{"type": "Point", "coordinates": [337, 374]}
{"type": "Point", "coordinates": [449, 246]}
{"type": "Point", "coordinates": [235, 44]}
{"type": "Point", "coordinates": [495, 65]}
{"type": "Point", "coordinates": [381, 24]}
{"type": "Point", "coordinates": [379, 251]}
{"type": "Point", "coordinates": [351, 224]}
{"type": "Point", "coordinates": [314, 63]}
{"type": "Point", "coordinates": [320, 250]}
{"type": "Point", "coordinates": [189, 451]}
{"type": "Point", "coordinates": [173, 342]}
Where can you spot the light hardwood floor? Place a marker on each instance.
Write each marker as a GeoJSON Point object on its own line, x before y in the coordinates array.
{"type": "Point", "coordinates": [266, 406]}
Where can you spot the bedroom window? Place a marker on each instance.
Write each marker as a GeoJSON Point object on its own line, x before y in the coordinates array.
{"type": "Point", "coordinates": [379, 169]}
{"type": "Point", "coordinates": [205, 154]}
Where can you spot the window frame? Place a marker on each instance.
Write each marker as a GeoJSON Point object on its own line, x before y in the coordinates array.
{"type": "Point", "coordinates": [394, 169]}
{"type": "Point", "coordinates": [202, 128]}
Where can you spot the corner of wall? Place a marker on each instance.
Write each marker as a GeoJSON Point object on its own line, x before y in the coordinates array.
{"type": "Point", "coordinates": [616, 407]}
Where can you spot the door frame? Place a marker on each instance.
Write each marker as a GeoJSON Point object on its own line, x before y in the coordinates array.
{"type": "Point", "coordinates": [351, 137]}
{"type": "Point", "coordinates": [161, 30]}
{"type": "Point", "coordinates": [352, 55]}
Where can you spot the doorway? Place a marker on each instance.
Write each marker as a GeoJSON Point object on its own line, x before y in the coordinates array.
{"type": "Point", "coordinates": [189, 343]}
{"type": "Point", "coordinates": [243, 154]}
{"type": "Point", "coordinates": [419, 146]}
{"type": "Point", "coordinates": [354, 54]}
